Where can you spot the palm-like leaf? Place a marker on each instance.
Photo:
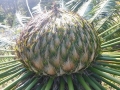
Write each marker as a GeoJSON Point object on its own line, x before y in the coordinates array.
{"type": "Point", "coordinates": [37, 9]}
{"type": "Point", "coordinates": [103, 9]}
{"type": "Point", "coordinates": [21, 20]}
{"type": "Point", "coordinates": [105, 69]}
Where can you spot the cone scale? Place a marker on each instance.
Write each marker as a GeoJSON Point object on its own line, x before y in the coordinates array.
{"type": "Point", "coordinates": [57, 43]}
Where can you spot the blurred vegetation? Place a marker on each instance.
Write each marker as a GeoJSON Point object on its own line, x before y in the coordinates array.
{"type": "Point", "coordinates": [8, 8]}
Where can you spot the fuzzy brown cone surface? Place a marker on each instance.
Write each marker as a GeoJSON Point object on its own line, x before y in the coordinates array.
{"type": "Point", "coordinates": [57, 43]}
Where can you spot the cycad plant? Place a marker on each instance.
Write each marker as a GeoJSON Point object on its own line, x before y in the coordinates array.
{"type": "Point", "coordinates": [60, 50]}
